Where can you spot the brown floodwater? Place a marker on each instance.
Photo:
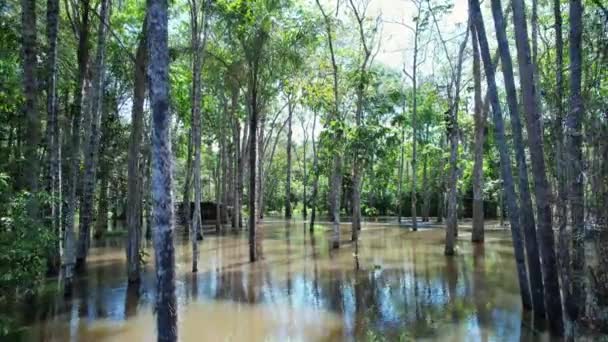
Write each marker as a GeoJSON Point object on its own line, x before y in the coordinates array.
{"type": "Point", "coordinates": [399, 286]}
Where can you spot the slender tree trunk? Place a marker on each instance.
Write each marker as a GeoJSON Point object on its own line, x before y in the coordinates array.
{"type": "Point", "coordinates": [196, 128]}
{"type": "Point", "coordinates": [134, 206]}
{"type": "Point", "coordinates": [55, 180]}
{"type": "Point", "coordinates": [260, 166]}
{"type": "Point", "coordinates": [336, 171]}
{"type": "Point", "coordinates": [305, 171]}
{"type": "Point", "coordinates": [187, 185]}
{"type": "Point", "coordinates": [453, 134]}
{"type": "Point", "coordinates": [574, 137]}
{"type": "Point", "coordinates": [562, 195]}
{"type": "Point", "coordinates": [426, 197]}
{"type": "Point", "coordinates": [92, 147]}
{"type": "Point", "coordinates": [223, 174]}
{"type": "Point", "coordinates": [243, 165]}
{"type": "Point", "coordinates": [526, 214]}
{"type": "Point", "coordinates": [162, 197]}
{"type": "Point", "coordinates": [74, 158]}
{"type": "Point", "coordinates": [541, 186]}
{"type": "Point", "coordinates": [413, 198]}
{"type": "Point", "coordinates": [401, 161]}
{"type": "Point", "coordinates": [290, 106]}
{"type": "Point", "coordinates": [148, 184]}
{"type": "Point", "coordinates": [358, 164]}
{"type": "Point", "coordinates": [218, 207]}
{"type": "Point", "coordinates": [101, 222]}
{"type": "Point", "coordinates": [236, 132]}
{"type": "Point", "coordinates": [30, 90]}
{"type": "Point", "coordinates": [441, 187]}
{"type": "Point", "coordinates": [505, 163]}
{"type": "Point", "coordinates": [253, 127]}
{"type": "Point", "coordinates": [315, 182]}
{"type": "Point", "coordinates": [480, 126]}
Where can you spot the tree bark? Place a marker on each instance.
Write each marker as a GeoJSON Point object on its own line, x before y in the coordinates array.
{"type": "Point", "coordinates": [92, 147]}
{"type": "Point", "coordinates": [164, 258]}
{"type": "Point", "coordinates": [30, 90]}
{"type": "Point", "coordinates": [134, 185]}
{"type": "Point", "coordinates": [315, 182]}
{"type": "Point", "coordinates": [401, 161]}
{"type": "Point", "coordinates": [426, 196]}
{"type": "Point", "coordinates": [542, 189]}
{"type": "Point", "coordinates": [238, 161]}
{"type": "Point", "coordinates": [453, 135]}
{"type": "Point", "coordinates": [336, 171]}
{"type": "Point", "coordinates": [358, 164]}
{"type": "Point", "coordinates": [55, 180]}
{"type": "Point", "coordinates": [74, 157]}
{"type": "Point", "coordinates": [480, 126]}
{"type": "Point", "coordinates": [290, 108]}
{"type": "Point", "coordinates": [413, 198]}
{"type": "Point", "coordinates": [562, 194]}
{"type": "Point", "coordinates": [505, 163]}
{"type": "Point", "coordinates": [195, 99]}
{"type": "Point", "coordinates": [187, 185]}
{"type": "Point", "coordinates": [253, 159]}
{"type": "Point", "coordinates": [526, 213]}
{"type": "Point", "coordinates": [574, 136]}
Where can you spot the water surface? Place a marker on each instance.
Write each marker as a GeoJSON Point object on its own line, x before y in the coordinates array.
{"type": "Point", "coordinates": [399, 286]}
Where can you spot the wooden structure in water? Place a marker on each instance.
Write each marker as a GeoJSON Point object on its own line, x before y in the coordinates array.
{"type": "Point", "coordinates": [208, 212]}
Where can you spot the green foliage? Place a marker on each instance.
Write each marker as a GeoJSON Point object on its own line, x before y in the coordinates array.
{"type": "Point", "coordinates": [24, 246]}
{"type": "Point", "coordinates": [24, 243]}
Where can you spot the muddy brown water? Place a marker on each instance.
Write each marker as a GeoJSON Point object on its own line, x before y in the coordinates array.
{"type": "Point", "coordinates": [399, 286]}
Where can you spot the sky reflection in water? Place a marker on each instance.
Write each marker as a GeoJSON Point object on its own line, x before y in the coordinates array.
{"type": "Point", "coordinates": [403, 288]}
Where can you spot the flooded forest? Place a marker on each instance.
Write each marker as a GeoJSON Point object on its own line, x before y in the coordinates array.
{"type": "Point", "coordinates": [303, 170]}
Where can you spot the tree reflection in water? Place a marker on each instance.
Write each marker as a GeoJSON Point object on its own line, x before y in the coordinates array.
{"type": "Point", "coordinates": [393, 284]}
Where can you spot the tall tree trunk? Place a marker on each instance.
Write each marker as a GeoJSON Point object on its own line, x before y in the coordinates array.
{"type": "Point", "coordinates": [505, 163]}
{"type": "Point", "coordinates": [413, 198]}
{"type": "Point", "coordinates": [223, 174]}
{"type": "Point", "coordinates": [542, 189]}
{"type": "Point", "coordinates": [162, 197]}
{"type": "Point", "coordinates": [92, 147]}
{"type": "Point", "coordinates": [574, 137]}
{"type": "Point", "coordinates": [253, 159]}
{"type": "Point", "coordinates": [290, 106]}
{"type": "Point", "coordinates": [336, 171]}
{"type": "Point", "coordinates": [196, 94]}
{"type": "Point", "coordinates": [134, 202]}
{"type": "Point", "coordinates": [453, 134]}
{"type": "Point", "coordinates": [426, 197]}
{"type": "Point", "coordinates": [260, 166]}
{"type": "Point", "coordinates": [187, 185]}
{"type": "Point", "coordinates": [526, 213]}
{"type": "Point", "coordinates": [218, 208]}
{"type": "Point", "coordinates": [358, 165]}
{"type": "Point", "coordinates": [74, 158]}
{"type": "Point", "coordinates": [236, 136]}
{"type": "Point", "coordinates": [562, 194]}
{"type": "Point", "coordinates": [441, 186]}
{"type": "Point", "coordinates": [315, 182]}
{"type": "Point", "coordinates": [148, 183]}
{"type": "Point", "coordinates": [30, 91]}
{"type": "Point", "coordinates": [480, 126]}
{"type": "Point", "coordinates": [305, 171]}
{"type": "Point", "coordinates": [401, 172]}
{"type": "Point", "coordinates": [101, 222]}
{"type": "Point", "coordinates": [242, 168]}
{"type": "Point", "coordinates": [55, 180]}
